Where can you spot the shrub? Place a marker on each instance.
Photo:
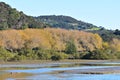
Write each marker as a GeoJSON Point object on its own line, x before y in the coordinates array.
{"type": "Point", "coordinates": [5, 55]}
{"type": "Point", "coordinates": [58, 56]}
{"type": "Point", "coordinates": [117, 54]}
{"type": "Point", "coordinates": [43, 54]}
{"type": "Point", "coordinates": [77, 56]}
{"type": "Point", "coordinates": [22, 57]}
{"type": "Point", "coordinates": [96, 54]}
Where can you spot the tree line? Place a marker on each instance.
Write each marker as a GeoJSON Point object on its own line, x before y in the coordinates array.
{"type": "Point", "coordinates": [55, 44]}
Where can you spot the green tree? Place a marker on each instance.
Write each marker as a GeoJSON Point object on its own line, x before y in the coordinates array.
{"type": "Point", "coordinates": [70, 47]}
{"type": "Point", "coordinates": [117, 32]}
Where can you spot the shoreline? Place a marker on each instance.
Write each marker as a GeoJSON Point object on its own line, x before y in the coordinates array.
{"type": "Point", "coordinates": [44, 63]}
{"type": "Point", "coordinates": [50, 61]}
{"type": "Point", "coordinates": [109, 70]}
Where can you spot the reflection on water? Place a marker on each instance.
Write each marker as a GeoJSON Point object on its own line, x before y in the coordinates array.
{"type": "Point", "coordinates": [77, 77]}
{"type": "Point", "coordinates": [43, 70]}
{"type": "Point", "coordinates": [39, 71]}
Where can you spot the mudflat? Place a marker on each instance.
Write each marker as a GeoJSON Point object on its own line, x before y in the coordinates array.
{"type": "Point", "coordinates": [14, 75]}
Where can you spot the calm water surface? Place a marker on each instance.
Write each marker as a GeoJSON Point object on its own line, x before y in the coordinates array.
{"type": "Point", "coordinates": [41, 71]}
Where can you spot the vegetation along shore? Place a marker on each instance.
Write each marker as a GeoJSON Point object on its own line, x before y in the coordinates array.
{"type": "Point", "coordinates": [24, 37]}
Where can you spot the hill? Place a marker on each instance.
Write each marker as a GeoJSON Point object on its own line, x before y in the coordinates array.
{"type": "Point", "coordinates": [11, 18]}
{"type": "Point", "coordinates": [65, 22]}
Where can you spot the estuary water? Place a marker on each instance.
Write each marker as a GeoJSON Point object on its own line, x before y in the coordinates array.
{"type": "Point", "coordinates": [56, 71]}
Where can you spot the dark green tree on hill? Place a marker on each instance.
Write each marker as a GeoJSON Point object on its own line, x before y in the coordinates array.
{"type": "Point", "coordinates": [117, 32]}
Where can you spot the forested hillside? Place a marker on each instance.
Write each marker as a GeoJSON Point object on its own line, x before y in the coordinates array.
{"type": "Point", "coordinates": [20, 40]}
{"type": "Point", "coordinates": [11, 18]}
{"type": "Point", "coordinates": [107, 35]}
{"type": "Point", "coordinates": [65, 22]}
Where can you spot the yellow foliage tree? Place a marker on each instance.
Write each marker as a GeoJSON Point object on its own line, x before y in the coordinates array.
{"type": "Point", "coordinates": [115, 44]}
{"type": "Point", "coordinates": [49, 38]}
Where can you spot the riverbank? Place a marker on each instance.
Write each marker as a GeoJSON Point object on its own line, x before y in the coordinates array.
{"type": "Point", "coordinates": [46, 63]}
{"type": "Point", "coordinates": [109, 70]}
{"type": "Point", "coordinates": [40, 68]}
{"type": "Point", "coordinates": [50, 61]}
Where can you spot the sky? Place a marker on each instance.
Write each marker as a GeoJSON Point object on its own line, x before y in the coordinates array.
{"type": "Point", "coordinates": [104, 13]}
